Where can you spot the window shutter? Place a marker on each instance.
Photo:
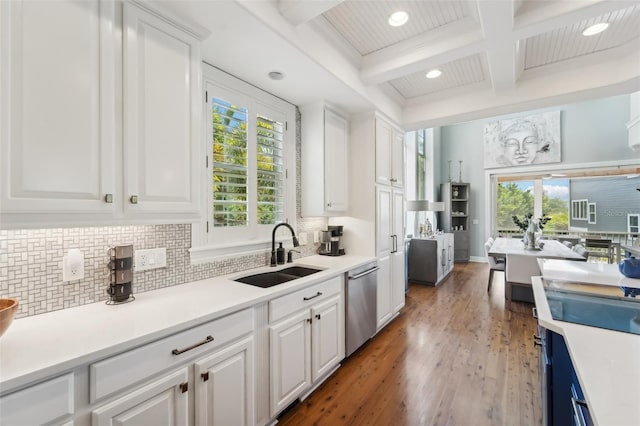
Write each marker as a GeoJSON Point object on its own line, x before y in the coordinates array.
{"type": "Point", "coordinates": [230, 170]}
{"type": "Point", "coordinates": [271, 170]}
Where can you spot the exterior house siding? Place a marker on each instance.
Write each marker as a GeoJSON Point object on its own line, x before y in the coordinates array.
{"type": "Point", "coordinates": [614, 197]}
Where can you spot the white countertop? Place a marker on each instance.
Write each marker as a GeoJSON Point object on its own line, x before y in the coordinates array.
{"type": "Point", "coordinates": [40, 346]}
{"type": "Point", "coordinates": [607, 362]}
{"type": "Point", "coordinates": [551, 249]}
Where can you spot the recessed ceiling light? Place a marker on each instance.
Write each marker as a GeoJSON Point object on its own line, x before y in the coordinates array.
{"type": "Point", "coordinates": [595, 29]}
{"type": "Point", "coordinates": [435, 73]}
{"type": "Point", "coordinates": [276, 75]}
{"type": "Point", "coordinates": [398, 19]}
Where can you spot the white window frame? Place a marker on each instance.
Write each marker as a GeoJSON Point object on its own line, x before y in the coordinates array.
{"type": "Point", "coordinates": [591, 213]}
{"type": "Point", "coordinates": [579, 209]}
{"type": "Point", "coordinates": [629, 216]}
{"type": "Point", "coordinates": [209, 243]}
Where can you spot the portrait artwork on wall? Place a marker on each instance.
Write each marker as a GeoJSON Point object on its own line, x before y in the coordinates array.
{"type": "Point", "coordinates": [521, 141]}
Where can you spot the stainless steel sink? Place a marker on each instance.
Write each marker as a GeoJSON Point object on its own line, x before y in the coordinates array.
{"type": "Point", "coordinates": [271, 278]}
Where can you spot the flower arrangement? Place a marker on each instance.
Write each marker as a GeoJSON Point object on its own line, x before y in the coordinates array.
{"type": "Point", "coordinates": [523, 223]}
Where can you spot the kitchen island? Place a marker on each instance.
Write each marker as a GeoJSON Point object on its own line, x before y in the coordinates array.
{"type": "Point", "coordinates": [605, 361]}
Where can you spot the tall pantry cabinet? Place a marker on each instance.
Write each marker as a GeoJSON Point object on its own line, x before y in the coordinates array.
{"type": "Point", "coordinates": [376, 223]}
{"type": "Point", "coordinates": [100, 111]}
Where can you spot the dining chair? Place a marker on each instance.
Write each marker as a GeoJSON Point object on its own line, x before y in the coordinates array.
{"type": "Point", "coordinates": [518, 272]}
{"type": "Point", "coordinates": [569, 244]}
{"type": "Point", "coordinates": [577, 247]}
{"type": "Point", "coordinates": [582, 251]}
{"type": "Point", "coordinates": [599, 248]}
{"type": "Point", "coordinates": [494, 264]}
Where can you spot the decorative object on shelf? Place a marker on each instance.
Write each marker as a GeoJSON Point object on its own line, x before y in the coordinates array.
{"type": "Point", "coordinates": [449, 170]}
{"type": "Point", "coordinates": [630, 267]}
{"type": "Point", "coordinates": [455, 192]}
{"type": "Point", "coordinates": [460, 169]}
{"type": "Point", "coordinates": [532, 229]}
{"type": "Point", "coordinates": [533, 139]}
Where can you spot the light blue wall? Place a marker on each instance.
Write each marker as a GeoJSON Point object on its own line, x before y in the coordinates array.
{"type": "Point", "coordinates": [593, 131]}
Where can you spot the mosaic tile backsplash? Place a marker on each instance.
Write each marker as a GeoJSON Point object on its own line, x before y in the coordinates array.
{"type": "Point", "coordinates": [31, 260]}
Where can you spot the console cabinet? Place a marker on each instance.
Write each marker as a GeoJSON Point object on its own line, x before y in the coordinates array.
{"type": "Point", "coordinates": [431, 259]}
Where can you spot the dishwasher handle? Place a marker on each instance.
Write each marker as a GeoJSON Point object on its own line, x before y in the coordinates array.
{"type": "Point", "coordinates": [362, 274]}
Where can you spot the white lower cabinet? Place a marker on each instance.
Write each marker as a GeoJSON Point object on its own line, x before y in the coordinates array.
{"type": "Point", "coordinates": [162, 402]}
{"type": "Point", "coordinates": [225, 386]}
{"type": "Point", "coordinates": [46, 402]}
{"type": "Point", "coordinates": [305, 344]}
{"type": "Point", "coordinates": [384, 309]}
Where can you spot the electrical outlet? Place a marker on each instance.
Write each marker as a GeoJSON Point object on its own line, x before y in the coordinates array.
{"type": "Point", "coordinates": [316, 237]}
{"type": "Point", "coordinates": [150, 259]}
{"type": "Point", "coordinates": [73, 265]}
{"type": "Point", "coordinates": [302, 238]}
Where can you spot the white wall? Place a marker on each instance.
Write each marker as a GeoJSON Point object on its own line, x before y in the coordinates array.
{"type": "Point", "coordinates": [592, 131]}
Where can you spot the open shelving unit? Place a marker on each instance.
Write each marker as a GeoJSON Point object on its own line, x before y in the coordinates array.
{"type": "Point", "coordinates": [455, 217]}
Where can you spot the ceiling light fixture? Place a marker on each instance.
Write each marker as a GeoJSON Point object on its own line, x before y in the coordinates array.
{"type": "Point", "coordinates": [434, 73]}
{"type": "Point", "coordinates": [398, 19]}
{"type": "Point", "coordinates": [595, 29]}
{"type": "Point", "coordinates": [276, 75]}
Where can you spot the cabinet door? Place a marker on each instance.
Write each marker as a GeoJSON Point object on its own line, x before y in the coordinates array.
{"type": "Point", "coordinates": [160, 403]}
{"type": "Point", "coordinates": [397, 159]}
{"type": "Point", "coordinates": [336, 150]}
{"type": "Point", "coordinates": [397, 280]}
{"type": "Point", "coordinates": [383, 151]}
{"type": "Point", "coordinates": [384, 223]}
{"type": "Point", "coordinates": [327, 331]}
{"type": "Point", "coordinates": [225, 386]}
{"type": "Point", "coordinates": [290, 351]}
{"type": "Point", "coordinates": [384, 308]}
{"type": "Point", "coordinates": [57, 108]}
{"type": "Point", "coordinates": [162, 110]}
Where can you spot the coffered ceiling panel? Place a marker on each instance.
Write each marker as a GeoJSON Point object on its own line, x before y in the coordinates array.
{"type": "Point", "coordinates": [568, 42]}
{"type": "Point", "coordinates": [363, 23]}
{"type": "Point", "coordinates": [463, 72]}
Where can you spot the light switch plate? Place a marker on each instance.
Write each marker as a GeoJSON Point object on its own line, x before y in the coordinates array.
{"type": "Point", "coordinates": [150, 259]}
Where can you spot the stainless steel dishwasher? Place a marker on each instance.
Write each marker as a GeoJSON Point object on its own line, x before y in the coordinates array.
{"type": "Point", "coordinates": [362, 286]}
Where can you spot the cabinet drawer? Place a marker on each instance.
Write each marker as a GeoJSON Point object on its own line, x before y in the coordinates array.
{"type": "Point", "coordinates": [285, 305]}
{"type": "Point", "coordinates": [39, 404]}
{"type": "Point", "coordinates": [126, 369]}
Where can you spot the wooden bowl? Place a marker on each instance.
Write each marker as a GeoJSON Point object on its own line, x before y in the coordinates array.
{"type": "Point", "coordinates": [8, 309]}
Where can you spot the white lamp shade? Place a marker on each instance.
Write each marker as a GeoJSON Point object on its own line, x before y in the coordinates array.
{"type": "Point", "coordinates": [424, 206]}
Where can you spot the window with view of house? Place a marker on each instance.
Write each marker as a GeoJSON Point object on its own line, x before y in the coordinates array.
{"type": "Point", "coordinates": [579, 209]}
{"type": "Point", "coordinates": [591, 213]}
{"type": "Point", "coordinates": [633, 223]}
{"type": "Point", "coordinates": [251, 167]}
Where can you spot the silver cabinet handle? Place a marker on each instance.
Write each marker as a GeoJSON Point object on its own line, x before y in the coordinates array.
{"type": "Point", "coordinates": [195, 345]}
{"type": "Point", "coordinates": [367, 272]}
{"type": "Point", "coordinates": [534, 311]}
{"type": "Point", "coordinates": [133, 199]}
{"type": "Point", "coordinates": [393, 180]}
{"type": "Point", "coordinates": [108, 198]}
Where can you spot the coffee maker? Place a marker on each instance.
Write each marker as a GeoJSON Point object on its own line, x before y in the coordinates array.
{"type": "Point", "coordinates": [331, 241]}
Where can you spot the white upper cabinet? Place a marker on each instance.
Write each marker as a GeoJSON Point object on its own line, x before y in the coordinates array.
{"type": "Point", "coordinates": [325, 147]}
{"type": "Point", "coordinates": [162, 110]}
{"type": "Point", "coordinates": [57, 103]}
{"type": "Point", "coordinates": [389, 154]}
{"type": "Point", "coordinates": [73, 150]}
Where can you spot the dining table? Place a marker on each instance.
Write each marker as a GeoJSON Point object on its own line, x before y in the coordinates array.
{"type": "Point", "coordinates": [551, 249]}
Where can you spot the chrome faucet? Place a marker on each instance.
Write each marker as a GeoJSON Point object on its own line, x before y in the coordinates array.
{"type": "Point", "coordinates": [273, 241]}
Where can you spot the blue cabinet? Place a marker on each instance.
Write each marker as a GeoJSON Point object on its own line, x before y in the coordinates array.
{"type": "Point", "coordinates": [562, 397]}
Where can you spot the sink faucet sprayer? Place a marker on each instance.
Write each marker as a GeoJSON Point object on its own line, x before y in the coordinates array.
{"type": "Point", "coordinates": [273, 241]}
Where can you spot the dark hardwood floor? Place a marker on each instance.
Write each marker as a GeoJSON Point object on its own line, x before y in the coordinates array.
{"type": "Point", "coordinates": [453, 356]}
